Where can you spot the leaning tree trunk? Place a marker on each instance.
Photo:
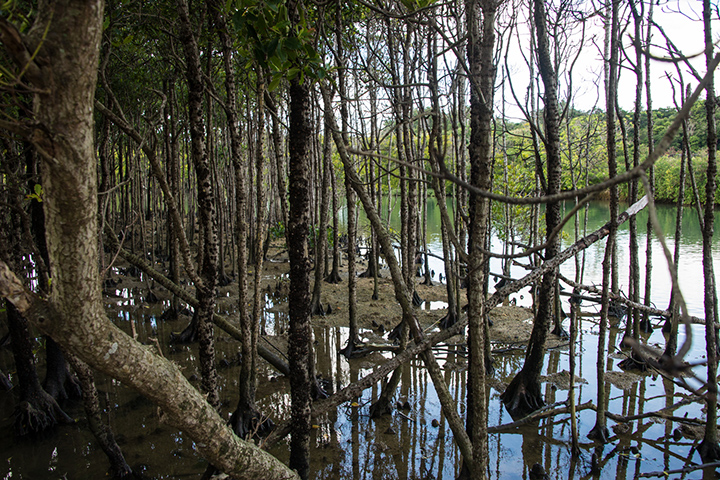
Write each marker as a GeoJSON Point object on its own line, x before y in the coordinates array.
{"type": "Point", "coordinates": [523, 394]}
{"type": "Point", "coordinates": [402, 294]}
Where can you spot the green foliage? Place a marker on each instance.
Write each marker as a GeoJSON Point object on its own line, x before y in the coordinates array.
{"type": "Point", "coordinates": [37, 194]}
{"type": "Point", "coordinates": [315, 233]}
{"type": "Point", "coordinates": [278, 47]}
{"type": "Point", "coordinates": [415, 5]}
{"type": "Point", "coordinates": [277, 231]}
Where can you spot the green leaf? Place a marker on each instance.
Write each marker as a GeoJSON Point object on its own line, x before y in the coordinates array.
{"type": "Point", "coordinates": [274, 82]}
{"type": "Point", "coordinates": [292, 43]}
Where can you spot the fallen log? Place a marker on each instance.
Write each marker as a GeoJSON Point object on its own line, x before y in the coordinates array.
{"type": "Point", "coordinates": [276, 361]}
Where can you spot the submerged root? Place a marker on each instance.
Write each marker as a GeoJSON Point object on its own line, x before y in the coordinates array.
{"type": "Point", "coordinates": [321, 388]}
{"type": "Point", "coordinates": [251, 424]}
{"type": "Point", "coordinates": [189, 335]}
{"type": "Point", "coordinates": [64, 388]}
{"type": "Point", "coordinates": [383, 406]}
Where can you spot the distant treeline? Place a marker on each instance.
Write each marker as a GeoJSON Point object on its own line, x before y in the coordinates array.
{"type": "Point", "coordinates": [585, 153]}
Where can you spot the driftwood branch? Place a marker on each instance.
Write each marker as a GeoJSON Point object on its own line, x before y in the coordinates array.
{"type": "Point", "coordinates": [549, 411]}
{"type": "Point", "coordinates": [619, 298]}
{"type": "Point", "coordinates": [568, 253]}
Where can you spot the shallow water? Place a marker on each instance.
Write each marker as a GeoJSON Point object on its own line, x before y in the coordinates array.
{"type": "Point", "coordinates": [348, 444]}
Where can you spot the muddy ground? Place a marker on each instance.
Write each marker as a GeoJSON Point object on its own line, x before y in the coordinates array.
{"type": "Point", "coordinates": [509, 333]}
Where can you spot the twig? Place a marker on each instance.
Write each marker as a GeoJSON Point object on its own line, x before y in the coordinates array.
{"type": "Point", "coordinates": [688, 469]}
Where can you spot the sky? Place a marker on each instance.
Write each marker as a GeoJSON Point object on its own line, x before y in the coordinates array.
{"type": "Point", "coordinates": [681, 21]}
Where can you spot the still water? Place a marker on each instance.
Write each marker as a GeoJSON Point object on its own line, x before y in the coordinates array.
{"type": "Point", "coordinates": [689, 267]}
{"type": "Point", "coordinates": [410, 444]}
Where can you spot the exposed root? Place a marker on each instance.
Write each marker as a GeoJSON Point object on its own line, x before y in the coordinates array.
{"type": "Point", "coordinates": [317, 309]}
{"type": "Point", "coordinates": [448, 320]}
{"type": "Point", "coordinates": [224, 280]}
{"type": "Point", "coordinates": [396, 332]}
{"type": "Point", "coordinates": [521, 398]}
{"type": "Point", "coordinates": [60, 383]}
{"type": "Point", "coordinates": [634, 362]}
{"type": "Point", "coordinates": [600, 434]}
{"type": "Point", "coordinates": [416, 300]}
{"type": "Point", "coordinates": [354, 349]}
{"type": "Point", "coordinates": [560, 331]}
{"type": "Point", "coordinates": [38, 415]}
{"type": "Point", "coordinates": [334, 277]}
{"type": "Point", "coordinates": [251, 424]}
{"type": "Point", "coordinates": [709, 451]}
{"type": "Point", "coordinates": [366, 274]}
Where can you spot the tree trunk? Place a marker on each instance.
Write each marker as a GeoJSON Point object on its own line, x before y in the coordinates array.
{"type": "Point", "coordinates": [207, 290]}
{"type": "Point", "coordinates": [599, 432]}
{"type": "Point", "coordinates": [523, 395]}
{"type": "Point", "coordinates": [321, 238]}
{"type": "Point", "coordinates": [298, 231]}
{"type": "Point", "coordinates": [709, 448]}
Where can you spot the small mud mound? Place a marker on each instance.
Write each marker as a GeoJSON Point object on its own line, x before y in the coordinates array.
{"type": "Point", "coordinates": [623, 380]}
{"type": "Point", "coordinates": [562, 380]}
{"type": "Point", "coordinates": [511, 325]}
